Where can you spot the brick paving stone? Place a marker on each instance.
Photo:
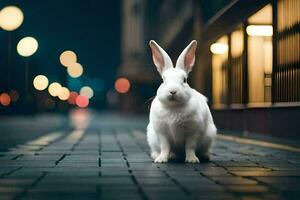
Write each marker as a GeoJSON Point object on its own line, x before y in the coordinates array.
{"type": "Point", "coordinates": [282, 183]}
{"type": "Point", "coordinates": [234, 181]}
{"type": "Point", "coordinates": [213, 196]}
{"type": "Point", "coordinates": [247, 169]}
{"type": "Point", "coordinates": [247, 188]}
{"type": "Point", "coordinates": [202, 188]}
{"type": "Point", "coordinates": [267, 173]}
{"type": "Point", "coordinates": [111, 160]}
{"type": "Point", "coordinates": [216, 172]}
{"type": "Point", "coordinates": [155, 181]}
{"type": "Point", "coordinates": [148, 173]}
{"type": "Point", "coordinates": [59, 195]}
{"type": "Point", "coordinates": [117, 195]}
{"type": "Point", "coordinates": [10, 189]}
{"type": "Point", "coordinates": [163, 192]}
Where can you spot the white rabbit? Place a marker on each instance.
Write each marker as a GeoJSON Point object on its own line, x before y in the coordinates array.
{"type": "Point", "coordinates": [180, 119]}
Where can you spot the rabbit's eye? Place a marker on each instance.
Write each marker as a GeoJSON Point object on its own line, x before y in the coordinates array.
{"type": "Point", "coordinates": [184, 80]}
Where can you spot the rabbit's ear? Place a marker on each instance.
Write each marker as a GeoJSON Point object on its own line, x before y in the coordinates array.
{"type": "Point", "coordinates": [160, 58]}
{"type": "Point", "coordinates": [186, 60]}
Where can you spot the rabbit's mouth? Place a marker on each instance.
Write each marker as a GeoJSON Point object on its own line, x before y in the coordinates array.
{"type": "Point", "coordinates": [171, 98]}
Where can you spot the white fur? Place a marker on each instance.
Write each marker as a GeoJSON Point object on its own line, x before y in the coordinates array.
{"type": "Point", "coordinates": [180, 122]}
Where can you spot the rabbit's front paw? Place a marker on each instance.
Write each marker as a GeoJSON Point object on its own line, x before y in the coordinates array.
{"type": "Point", "coordinates": [154, 154]}
{"type": "Point", "coordinates": [191, 158]}
{"type": "Point", "coordinates": [161, 159]}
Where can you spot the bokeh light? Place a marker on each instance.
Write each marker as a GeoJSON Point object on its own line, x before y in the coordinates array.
{"type": "Point", "coordinates": [219, 48]}
{"type": "Point", "coordinates": [11, 17]}
{"type": "Point", "coordinates": [54, 89]}
{"type": "Point", "coordinates": [64, 93]}
{"type": "Point", "coordinates": [68, 58]}
{"type": "Point", "coordinates": [72, 98]}
{"type": "Point", "coordinates": [82, 101]}
{"type": "Point", "coordinates": [27, 46]}
{"type": "Point", "coordinates": [40, 82]}
{"type": "Point", "coordinates": [122, 85]}
{"type": "Point", "coordinates": [75, 70]}
{"type": "Point", "coordinates": [259, 30]}
{"type": "Point", "coordinates": [14, 95]}
{"type": "Point", "coordinates": [5, 99]}
{"type": "Point", "coordinates": [87, 91]}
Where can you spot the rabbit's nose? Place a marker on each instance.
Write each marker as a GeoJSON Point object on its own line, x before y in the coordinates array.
{"type": "Point", "coordinates": [172, 92]}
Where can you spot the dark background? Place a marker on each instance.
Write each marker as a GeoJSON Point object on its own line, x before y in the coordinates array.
{"type": "Point", "coordinates": [90, 28]}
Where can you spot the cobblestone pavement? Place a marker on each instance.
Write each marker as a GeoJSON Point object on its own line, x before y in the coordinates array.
{"type": "Point", "coordinates": [109, 159]}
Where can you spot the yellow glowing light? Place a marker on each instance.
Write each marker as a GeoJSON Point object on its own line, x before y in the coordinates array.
{"type": "Point", "coordinates": [54, 89]}
{"type": "Point", "coordinates": [68, 58]}
{"type": "Point", "coordinates": [27, 46]}
{"type": "Point", "coordinates": [40, 82]}
{"type": "Point", "coordinates": [11, 17]}
{"type": "Point", "coordinates": [64, 94]}
{"type": "Point", "coordinates": [218, 48]}
{"type": "Point", "coordinates": [87, 91]}
{"type": "Point", "coordinates": [259, 30]}
{"type": "Point", "coordinates": [75, 70]}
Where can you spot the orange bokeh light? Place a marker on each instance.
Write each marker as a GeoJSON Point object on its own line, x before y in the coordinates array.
{"type": "Point", "coordinates": [82, 101]}
{"type": "Point", "coordinates": [5, 99]}
{"type": "Point", "coordinates": [72, 98]}
{"type": "Point", "coordinates": [122, 85]}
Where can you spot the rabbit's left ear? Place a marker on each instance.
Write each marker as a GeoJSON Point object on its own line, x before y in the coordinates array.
{"type": "Point", "coordinates": [186, 60]}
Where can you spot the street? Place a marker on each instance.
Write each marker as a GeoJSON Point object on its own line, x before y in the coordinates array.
{"type": "Point", "coordinates": [106, 156]}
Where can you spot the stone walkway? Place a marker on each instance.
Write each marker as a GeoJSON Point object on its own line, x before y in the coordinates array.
{"type": "Point", "coordinates": [108, 158]}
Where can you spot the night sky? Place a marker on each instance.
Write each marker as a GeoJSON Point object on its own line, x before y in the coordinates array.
{"type": "Point", "coordinates": [90, 28]}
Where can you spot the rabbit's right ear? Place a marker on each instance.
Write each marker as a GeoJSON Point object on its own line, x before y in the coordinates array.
{"type": "Point", "coordinates": [160, 58]}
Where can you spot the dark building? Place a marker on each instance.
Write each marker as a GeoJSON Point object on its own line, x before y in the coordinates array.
{"type": "Point", "coordinates": [247, 58]}
{"type": "Point", "coordinates": [248, 64]}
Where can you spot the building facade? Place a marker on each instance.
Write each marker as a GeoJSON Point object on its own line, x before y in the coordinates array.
{"type": "Point", "coordinates": [247, 59]}
{"type": "Point", "coordinates": [248, 65]}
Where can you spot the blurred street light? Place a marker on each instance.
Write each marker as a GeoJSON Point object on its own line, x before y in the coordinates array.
{"type": "Point", "coordinates": [11, 17]}
{"type": "Point", "coordinates": [54, 89]}
{"type": "Point", "coordinates": [27, 46]}
{"type": "Point", "coordinates": [82, 101]}
{"type": "Point", "coordinates": [75, 70]}
{"type": "Point", "coordinates": [72, 98]}
{"type": "Point", "coordinates": [68, 58]}
{"type": "Point", "coordinates": [259, 30]}
{"type": "Point", "coordinates": [87, 91]}
{"type": "Point", "coordinates": [40, 82]}
{"type": "Point", "coordinates": [122, 85]}
{"type": "Point", "coordinates": [5, 99]}
{"type": "Point", "coordinates": [218, 48]}
{"type": "Point", "coordinates": [64, 94]}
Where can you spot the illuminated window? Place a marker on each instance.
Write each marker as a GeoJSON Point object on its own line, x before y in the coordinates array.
{"type": "Point", "coordinates": [219, 67]}
{"type": "Point", "coordinates": [286, 70]}
{"type": "Point", "coordinates": [236, 68]}
{"type": "Point", "coordinates": [260, 51]}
